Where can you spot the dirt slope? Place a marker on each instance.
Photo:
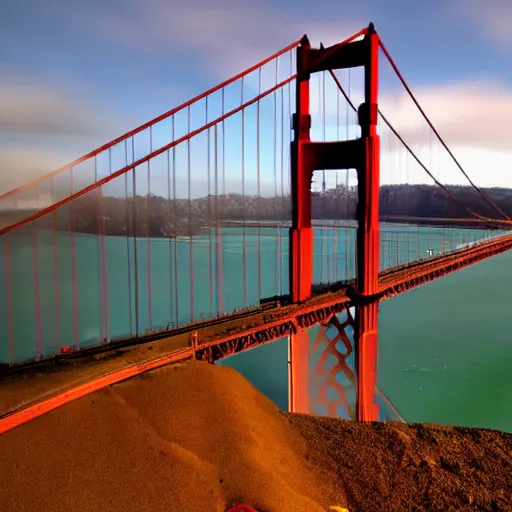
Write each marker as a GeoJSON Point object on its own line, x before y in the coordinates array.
{"type": "Point", "coordinates": [396, 467]}
{"type": "Point", "coordinates": [190, 437]}
{"type": "Point", "coordinates": [195, 437]}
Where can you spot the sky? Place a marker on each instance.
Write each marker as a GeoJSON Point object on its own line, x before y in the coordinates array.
{"type": "Point", "coordinates": [74, 75]}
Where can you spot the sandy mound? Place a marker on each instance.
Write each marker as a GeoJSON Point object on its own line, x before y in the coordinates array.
{"type": "Point", "coordinates": [196, 437]}
{"type": "Point", "coordinates": [190, 437]}
{"type": "Point", "coordinates": [397, 467]}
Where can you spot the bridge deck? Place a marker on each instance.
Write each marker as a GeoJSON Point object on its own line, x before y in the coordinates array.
{"type": "Point", "coordinates": [218, 338]}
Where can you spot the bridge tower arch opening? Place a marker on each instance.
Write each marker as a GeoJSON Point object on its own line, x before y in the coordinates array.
{"type": "Point", "coordinates": [362, 154]}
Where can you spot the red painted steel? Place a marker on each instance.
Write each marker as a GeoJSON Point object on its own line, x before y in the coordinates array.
{"type": "Point", "coordinates": [368, 241]}
{"type": "Point", "coordinates": [321, 156]}
{"type": "Point", "coordinates": [304, 161]}
{"type": "Point", "coordinates": [301, 239]}
{"type": "Point", "coordinates": [331, 363]}
{"type": "Point", "coordinates": [37, 409]}
{"type": "Point", "coordinates": [301, 235]}
{"type": "Point", "coordinates": [298, 372]}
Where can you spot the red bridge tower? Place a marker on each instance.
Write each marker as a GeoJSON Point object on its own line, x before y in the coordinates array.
{"type": "Point", "coordinates": [362, 154]}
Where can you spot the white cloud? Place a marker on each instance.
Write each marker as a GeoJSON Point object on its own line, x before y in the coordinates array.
{"type": "Point", "coordinates": [226, 36]}
{"type": "Point", "coordinates": [28, 109]}
{"type": "Point", "coordinates": [36, 103]}
{"type": "Point", "coordinates": [472, 117]}
{"type": "Point", "coordinates": [43, 126]}
{"type": "Point", "coordinates": [492, 18]}
{"type": "Point", "coordinates": [476, 114]}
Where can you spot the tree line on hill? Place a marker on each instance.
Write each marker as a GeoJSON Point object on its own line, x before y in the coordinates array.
{"type": "Point", "coordinates": [155, 216]}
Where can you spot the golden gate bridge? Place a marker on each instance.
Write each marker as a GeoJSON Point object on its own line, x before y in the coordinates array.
{"type": "Point", "coordinates": [201, 226]}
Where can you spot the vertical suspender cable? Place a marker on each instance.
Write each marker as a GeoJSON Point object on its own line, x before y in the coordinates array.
{"type": "Point", "coordinates": [170, 225]}
{"type": "Point", "coordinates": [191, 238]}
{"type": "Point", "coordinates": [216, 207]}
{"type": "Point", "coordinates": [176, 223]}
{"type": "Point", "coordinates": [56, 280]}
{"type": "Point", "coordinates": [103, 329]}
{"type": "Point", "coordinates": [244, 233]}
{"type": "Point", "coordinates": [74, 269]}
{"type": "Point", "coordinates": [8, 285]}
{"type": "Point", "coordinates": [148, 225]}
{"type": "Point", "coordinates": [348, 213]}
{"type": "Point", "coordinates": [324, 231]}
{"type": "Point", "coordinates": [127, 226]}
{"type": "Point", "coordinates": [336, 223]}
{"type": "Point", "coordinates": [135, 217]}
{"type": "Point", "coordinates": [210, 255]}
{"type": "Point", "coordinates": [258, 193]}
{"type": "Point", "coordinates": [277, 230]}
{"type": "Point", "coordinates": [281, 201]}
{"type": "Point", "coordinates": [222, 211]}
{"type": "Point", "coordinates": [104, 263]}
{"type": "Point", "coordinates": [37, 298]}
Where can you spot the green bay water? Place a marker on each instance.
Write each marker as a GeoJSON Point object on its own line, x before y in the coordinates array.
{"type": "Point", "coordinates": [444, 349]}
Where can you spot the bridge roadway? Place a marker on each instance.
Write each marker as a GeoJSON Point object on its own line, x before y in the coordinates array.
{"type": "Point", "coordinates": [30, 391]}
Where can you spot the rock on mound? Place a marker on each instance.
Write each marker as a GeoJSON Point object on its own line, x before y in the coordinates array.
{"type": "Point", "coordinates": [189, 437]}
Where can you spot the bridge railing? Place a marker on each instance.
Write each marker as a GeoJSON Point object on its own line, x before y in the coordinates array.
{"type": "Point", "coordinates": [405, 243]}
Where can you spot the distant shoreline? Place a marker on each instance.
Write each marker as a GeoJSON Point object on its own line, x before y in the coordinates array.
{"type": "Point", "coordinates": [266, 224]}
{"type": "Point", "coordinates": [159, 217]}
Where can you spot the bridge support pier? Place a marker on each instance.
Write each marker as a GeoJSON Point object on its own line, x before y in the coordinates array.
{"type": "Point", "coordinates": [366, 341]}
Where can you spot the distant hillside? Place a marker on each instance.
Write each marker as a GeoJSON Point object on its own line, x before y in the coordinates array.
{"type": "Point", "coordinates": [156, 216]}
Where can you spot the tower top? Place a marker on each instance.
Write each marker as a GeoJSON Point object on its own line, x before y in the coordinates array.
{"type": "Point", "coordinates": [305, 41]}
